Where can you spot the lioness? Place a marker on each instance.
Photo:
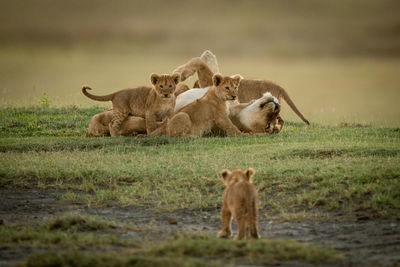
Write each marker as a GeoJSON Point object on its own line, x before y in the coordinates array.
{"type": "Point", "coordinates": [258, 116]}
{"type": "Point", "coordinates": [152, 103]}
{"type": "Point", "coordinates": [249, 89]}
{"type": "Point", "coordinates": [240, 201]}
{"type": "Point", "coordinates": [197, 118]}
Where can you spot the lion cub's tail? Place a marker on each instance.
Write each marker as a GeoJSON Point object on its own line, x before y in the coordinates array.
{"type": "Point", "coordinates": [96, 97]}
{"type": "Point", "coordinates": [293, 106]}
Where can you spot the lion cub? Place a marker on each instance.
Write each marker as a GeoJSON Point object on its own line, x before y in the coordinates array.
{"type": "Point", "coordinates": [197, 118]}
{"type": "Point", "coordinates": [240, 201]}
{"type": "Point", "coordinates": [152, 103]}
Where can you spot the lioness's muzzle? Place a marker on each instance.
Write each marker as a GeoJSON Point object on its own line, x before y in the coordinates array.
{"type": "Point", "coordinates": [277, 107]}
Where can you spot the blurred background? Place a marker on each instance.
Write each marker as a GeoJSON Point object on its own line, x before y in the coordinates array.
{"type": "Point", "coordinates": [339, 60]}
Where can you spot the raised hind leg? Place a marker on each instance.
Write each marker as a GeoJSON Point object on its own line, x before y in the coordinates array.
{"type": "Point", "coordinates": [194, 65]}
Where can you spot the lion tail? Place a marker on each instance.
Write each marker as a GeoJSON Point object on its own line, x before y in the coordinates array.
{"type": "Point", "coordinates": [293, 106]}
{"type": "Point", "coordinates": [96, 97]}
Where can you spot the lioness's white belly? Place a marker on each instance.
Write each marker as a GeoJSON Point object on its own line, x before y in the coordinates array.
{"type": "Point", "coordinates": [189, 96]}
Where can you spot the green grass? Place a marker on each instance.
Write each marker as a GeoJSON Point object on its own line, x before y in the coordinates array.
{"type": "Point", "coordinates": [75, 258]}
{"type": "Point", "coordinates": [63, 236]}
{"type": "Point", "coordinates": [319, 168]}
{"type": "Point", "coordinates": [197, 251]}
{"type": "Point", "coordinates": [68, 231]}
{"type": "Point", "coordinates": [264, 251]}
{"type": "Point", "coordinates": [44, 121]}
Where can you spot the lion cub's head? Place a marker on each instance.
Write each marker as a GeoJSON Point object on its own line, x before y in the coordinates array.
{"type": "Point", "coordinates": [236, 176]}
{"type": "Point", "coordinates": [226, 86]}
{"type": "Point", "coordinates": [165, 84]}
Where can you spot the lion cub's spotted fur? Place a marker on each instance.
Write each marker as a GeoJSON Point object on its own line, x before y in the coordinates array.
{"type": "Point", "coordinates": [152, 103]}
{"type": "Point", "coordinates": [240, 202]}
{"type": "Point", "coordinates": [197, 118]}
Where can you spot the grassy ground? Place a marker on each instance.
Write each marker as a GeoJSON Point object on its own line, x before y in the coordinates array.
{"type": "Point", "coordinates": [341, 168]}
{"type": "Point", "coordinates": [67, 199]}
{"type": "Point", "coordinates": [303, 173]}
{"type": "Point", "coordinates": [72, 232]}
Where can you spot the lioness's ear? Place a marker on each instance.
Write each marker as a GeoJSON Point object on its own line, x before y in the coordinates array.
{"type": "Point", "coordinates": [217, 79]}
{"type": "Point", "coordinates": [237, 78]}
{"type": "Point", "coordinates": [249, 173]}
{"type": "Point", "coordinates": [154, 78]}
{"type": "Point", "coordinates": [176, 77]}
{"type": "Point", "coordinates": [224, 175]}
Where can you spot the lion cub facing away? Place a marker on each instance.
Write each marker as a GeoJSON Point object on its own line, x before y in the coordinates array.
{"type": "Point", "coordinates": [152, 103]}
{"type": "Point", "coordinates": [240, 201]}
{"type": "Point", "coordinates": [197, 118]}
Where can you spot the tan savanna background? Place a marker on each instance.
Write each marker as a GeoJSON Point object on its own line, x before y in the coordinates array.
{"type": "Point", "coordinates": [338, 60]}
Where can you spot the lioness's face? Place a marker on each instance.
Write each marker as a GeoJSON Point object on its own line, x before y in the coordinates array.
{"type": "Point", "coordinates": [165, 84]}
{"type": "Point", "coordinates": [227, 87]}
{"type": "Point", "coordinates": [237, 175]}
{"type": "Point", "coordinates": [263, 112]}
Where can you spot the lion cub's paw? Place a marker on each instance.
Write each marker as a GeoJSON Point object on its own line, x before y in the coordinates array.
{"type": "Point", "coordinates": [224, 234]}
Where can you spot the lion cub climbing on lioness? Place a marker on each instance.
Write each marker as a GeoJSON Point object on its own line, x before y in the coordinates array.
{"type": "Point", "coordinates": [197, 118]}
{"type": "Point", "coordinates": [151, 103]}
{"type": "Point", "coordinates": [240, 201]}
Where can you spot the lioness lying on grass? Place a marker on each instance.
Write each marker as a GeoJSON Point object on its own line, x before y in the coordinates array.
{"type": "Point", "coordinates": [239, 202]}
{"type": "Point", "coordinates": [258, 116]}
{"type": "Point", "coordinates": [249, 89]}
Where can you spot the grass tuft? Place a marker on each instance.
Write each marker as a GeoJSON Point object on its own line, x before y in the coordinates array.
{"type": "Point", "coordinates": [189, 250]}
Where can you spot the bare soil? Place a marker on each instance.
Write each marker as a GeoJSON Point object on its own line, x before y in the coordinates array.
{"type": "Point", "coordinates": [367, 240]}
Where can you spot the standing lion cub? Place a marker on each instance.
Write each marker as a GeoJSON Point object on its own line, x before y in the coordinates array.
{"type": "Point", "coordinates": [240, 201]}
{"type": "Point", "coordinates": [152, 103]}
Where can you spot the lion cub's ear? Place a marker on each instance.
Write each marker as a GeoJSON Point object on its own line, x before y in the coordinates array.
{"type": "Point", "coordinates": [237, 78]}
{"type": "Point", "coordinates": [176, 77]}
{"type": "Point", "coordinates": [154, 78]}
{"type": "Point", "coordinates": [217, 79]}
{"type": "Point", "coordinates": [224, 175]}
{"type": "Point", "coordinates": [249, 173]}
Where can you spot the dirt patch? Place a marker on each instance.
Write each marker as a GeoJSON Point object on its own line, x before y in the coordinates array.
{"type": "Point", "coordinates": [367, 241]}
